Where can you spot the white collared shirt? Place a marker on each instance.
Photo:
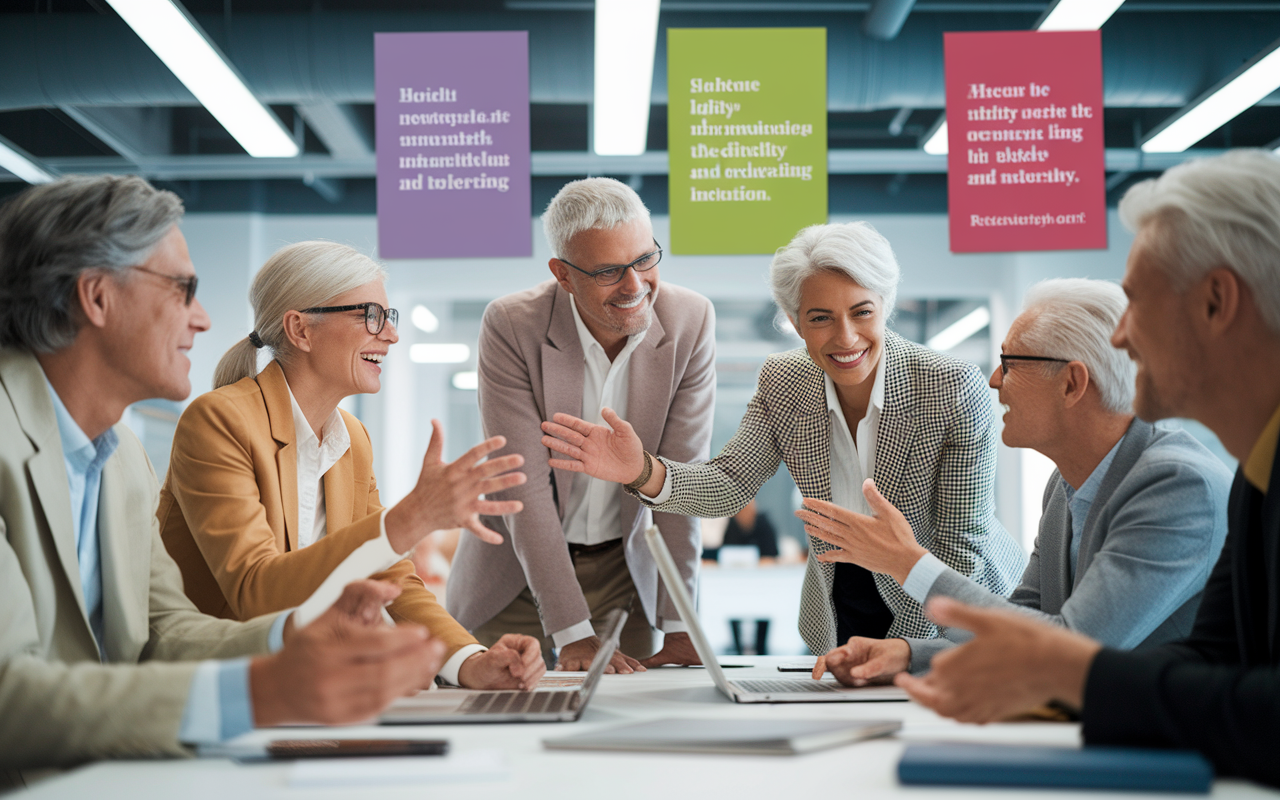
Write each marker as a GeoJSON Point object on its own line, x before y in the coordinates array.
{"type": "Point", "coordinates": [853, 454]}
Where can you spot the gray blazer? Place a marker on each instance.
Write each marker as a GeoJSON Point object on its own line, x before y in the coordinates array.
{"type": "Point", "coordinates": [935, 460]}
{"type": "Point", "coordinates": [531, 366]}
{"type": "Point", "coordinates": [62, 699]}
{"type": "Point", "coordinates": [1153, 533]}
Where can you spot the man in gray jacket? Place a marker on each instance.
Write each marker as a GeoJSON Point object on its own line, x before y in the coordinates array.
{"type": "Point", "coordinates": [1134, 515]}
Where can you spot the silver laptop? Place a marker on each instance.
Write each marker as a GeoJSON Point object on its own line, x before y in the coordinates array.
{"type": "Point", "coordinates": [766, 690]}
{"type": "Point", "coordinates": [456, 707]}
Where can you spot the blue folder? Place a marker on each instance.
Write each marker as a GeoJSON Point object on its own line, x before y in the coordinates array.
{"type": "Point", "coordinates": [1116, 768]}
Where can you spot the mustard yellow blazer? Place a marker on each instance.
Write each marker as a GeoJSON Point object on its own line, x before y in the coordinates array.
{"type": "Point", "coordinates": [229, 510]}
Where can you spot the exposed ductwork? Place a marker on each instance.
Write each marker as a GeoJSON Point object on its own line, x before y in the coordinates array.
{"type": "Point", "coordinates": [95, 60]}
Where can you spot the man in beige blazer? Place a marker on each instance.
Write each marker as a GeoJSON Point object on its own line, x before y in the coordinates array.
{"type": "Point", "coordinates": [101, 653]}
{"type": "Point", "coordinates": [601, 334]}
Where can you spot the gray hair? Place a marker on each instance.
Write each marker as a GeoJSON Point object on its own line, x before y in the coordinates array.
{"type": "Point", "coordinates": [589, 204]}
{"type": "Point", "coordinates": [853, 248]}
{"type": "Point", "coordinates": [50, 234]}
{"type": "Point", "coordinates": [1215, 212]}
{"type": "Point", "coordinates": [1073, 318]}
{"type": "Point", "coordinates": [302, 275]}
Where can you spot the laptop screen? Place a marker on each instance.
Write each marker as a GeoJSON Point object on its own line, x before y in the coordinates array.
{"type": "Point", "coordinates": [612, 635]}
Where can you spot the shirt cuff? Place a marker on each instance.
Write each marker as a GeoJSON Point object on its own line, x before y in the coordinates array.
{"type": "Point", "coordinates": [449, 672]}
{"type": "Point", "coordinates": [275, 637]}
{"type": "Point", "coordinates": [573, 633]}
{"type": "Point", "coordinates": [674, 626]}
{"type": "Point", "coordinates": [663, 495]}
{"type": "Point", "coordinates": [920, 580]}
{"type": "Point", "coordinates": [218, 704]}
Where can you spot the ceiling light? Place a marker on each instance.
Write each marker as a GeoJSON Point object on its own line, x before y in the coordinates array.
{"type": "Point", "coordinates": [1259, 77]}
{"type": "Point", "coordinates": [424, 320]}
{"type": "Point", "coordinates": [466, 381]}
{"type": "Point", "coordinates": [21, 165]}
{"type": "Point", "coordinates": [170, 32]}
{"type": "Point", "coordinates": [626, 34]}
{"type": "Point", "coordinates": [958, 331]}
{"type": "Point", "coordinates": [439, 353]}
{"type": "Point", "coordinates": [1078, 15]}
{"type": "Point", "coordinates": [936, 145]}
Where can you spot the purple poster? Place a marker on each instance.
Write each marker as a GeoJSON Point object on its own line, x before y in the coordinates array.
{"type": "Point", "coordinates": [453, 144]}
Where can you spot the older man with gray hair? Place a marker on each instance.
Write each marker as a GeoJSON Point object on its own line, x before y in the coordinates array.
{"type": "Point", "coordinates": [599, 335]}
{"type": "Point", "coordinates": [1134, 516]}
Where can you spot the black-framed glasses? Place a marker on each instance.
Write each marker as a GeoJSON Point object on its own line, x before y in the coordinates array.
{"type": "Point", "coordinates": [187, 283]}
{"type": "Point", "coordinates": [608, 276]}
{"type": "Point", "coordinates": [1004, 361]}
{"type": "Point", "coordinates": [375, 316]}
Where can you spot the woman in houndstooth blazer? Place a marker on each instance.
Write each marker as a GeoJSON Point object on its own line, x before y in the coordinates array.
{"type": "Point", "coordinates": [857, 401]}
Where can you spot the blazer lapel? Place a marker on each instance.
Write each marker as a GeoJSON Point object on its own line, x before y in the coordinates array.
{"type": "Point", "coordinates": [562, 377]}
{"type": "Point", "coordinates": [1055, 549]}
{"type": "Point", "coordinates": [1136, 441]}
{"type": "Point", "coordinates": [126, 561]}
{"type": "Point", "coordinates": [650, 374]}
{"type": "Point", "coordinates": [275, 393]}
{"type": "Point", "coordinates": [339, 497]}
{"type": "Point", "coordinates": [895, 435]}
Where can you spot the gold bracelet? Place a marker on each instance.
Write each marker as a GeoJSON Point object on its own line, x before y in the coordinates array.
{"type": "Point", "coordinates": [645, 474]}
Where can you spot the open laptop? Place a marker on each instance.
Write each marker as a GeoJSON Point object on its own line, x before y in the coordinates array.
{"type": "Point", "coordinates": [456, 707]}
{"type": "Point", "coordinates": [766, 690]}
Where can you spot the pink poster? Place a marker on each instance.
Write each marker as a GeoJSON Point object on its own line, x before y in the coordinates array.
{"type": "Point", "coordinates": [1026, 161]}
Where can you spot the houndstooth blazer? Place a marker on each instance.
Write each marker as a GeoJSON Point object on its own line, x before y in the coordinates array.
{"type": "Point", "coordinates": [935, 461]}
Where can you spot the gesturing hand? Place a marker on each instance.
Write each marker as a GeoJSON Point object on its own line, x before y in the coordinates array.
{"type": "Point", "coordinates": [450, 495]}
{"type": "Point", "coordinates": [612, 453]}
{"type": "Point", "coordinates": [861, 661]}
{"type": "Point", "coordinates": [884, 543]}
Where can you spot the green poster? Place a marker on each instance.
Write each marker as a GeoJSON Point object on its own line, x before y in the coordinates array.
{"type": "Point", "coordinates": [747, 129]}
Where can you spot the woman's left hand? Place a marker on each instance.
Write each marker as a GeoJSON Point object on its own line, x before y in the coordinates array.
{"type": "Point", "coordinates": [882, 543]}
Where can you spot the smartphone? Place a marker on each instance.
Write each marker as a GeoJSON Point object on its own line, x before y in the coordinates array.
{"type": "Point", "coordinates": [343, 748]}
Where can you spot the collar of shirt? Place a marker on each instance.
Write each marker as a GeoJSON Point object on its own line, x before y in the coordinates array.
{"type": "Point", "coordinates": [1257, 468]}
{"type": "Point", "coordinates": [588, 340]}
{"type": "Point", "coordinates": [1089, 489]}
{"type": "Point", "coordinates": [336, 439]}
{"type": "Point", "coordinates": [81, 453]}
{"type": "Point", "coordinates": [877, 389]}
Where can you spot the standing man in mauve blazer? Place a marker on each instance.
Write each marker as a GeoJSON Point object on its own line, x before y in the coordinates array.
{"type": "Point", "coordinates": [602, 334]}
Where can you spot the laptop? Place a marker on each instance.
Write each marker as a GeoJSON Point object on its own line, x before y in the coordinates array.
{"type": "Point", "coordinates": [458, 707]}
{"type": "Point", "coordinates": [764, 690]}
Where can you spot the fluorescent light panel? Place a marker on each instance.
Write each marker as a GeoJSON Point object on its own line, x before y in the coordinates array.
{"type": "Point", "coordinates": [1251, 83]}
{"type": "Point", "coordinates": [466, 381]}
{"type": "Point", "coordinates": [439, 353]}
{"type": "Point", "coordinates": [424, 320]}
{"type": "Point", "coordinates": [960, 330]}
{"type": "Point", "coordinates": [626, 35]}
{"type": "Point", "coordinates": [20, 165]}
{"type": "Point", "coordinates": [171, 34]}
{"type": "Point", "coordinates": [1067, 15]}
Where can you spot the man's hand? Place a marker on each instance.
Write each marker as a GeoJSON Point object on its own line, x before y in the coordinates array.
{"type": "Point", "coordinates": [577, 656]}
{"type": "Point", "coordinates": [1012, 664]}
{"type": "Point", "coordinates": [861, 661]}
{"type": "Point", "coordinates": [450, 495]}
{"type": "Point", "coordinates": [677, 648]}
{"type": "Point", "coordinates": [361, 603]}
{"type": "Point", "coordinates": [514, 662]}
{"type": "Point", "coordinates": [883, 543]}
{"type": "Point", "coordinates": [612, 453]}
{"type": "Point", "coordinates": [339, 669]}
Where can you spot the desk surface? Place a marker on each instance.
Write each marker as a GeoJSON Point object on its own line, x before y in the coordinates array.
{"type": "Point", "coordinates": [864, 770]}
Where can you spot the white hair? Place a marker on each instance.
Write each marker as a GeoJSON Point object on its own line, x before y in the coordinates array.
{"type": "Point", "coordinates": [855, 249]}
{"type": "Point", "coordinates": [1215, 212]}
{"type": "Point", "coordinates": [302, 275]}
{"type": "Point", "coordinates": [1073, 318]}
{"type": "Point", "coordinates": [589, 204]}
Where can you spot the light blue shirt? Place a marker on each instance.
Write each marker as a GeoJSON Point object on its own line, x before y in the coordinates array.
{"type": "Point", "coordinates": [1079, 501]}
{"type": "Point", "coordinates": [218, 703]}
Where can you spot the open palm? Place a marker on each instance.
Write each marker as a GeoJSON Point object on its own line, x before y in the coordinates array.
{"type": "Point", "coordinates": [609, 452]}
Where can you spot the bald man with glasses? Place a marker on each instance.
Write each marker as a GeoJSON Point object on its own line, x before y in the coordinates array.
{"type": "Point", "coordinates": [600, 334]}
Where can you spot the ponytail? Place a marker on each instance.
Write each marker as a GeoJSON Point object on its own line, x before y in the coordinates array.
{"type": "Point", "coordinates": [241, 361]}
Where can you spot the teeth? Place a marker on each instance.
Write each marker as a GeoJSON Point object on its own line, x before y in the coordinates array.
{"type": "Point", "coordinates": [631, 304]}
{"type": "Point", "coordinates": [849, 359]}
{"type": "Point", "coordinates": [374, 357]}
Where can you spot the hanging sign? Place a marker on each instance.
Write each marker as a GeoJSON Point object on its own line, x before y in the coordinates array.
{"type": "Point", "coordinates": [747, 136]}
{"type": "Point", "coordinates": [453, 144]}
{"type": "Point", "coordinates": [1025, 161]}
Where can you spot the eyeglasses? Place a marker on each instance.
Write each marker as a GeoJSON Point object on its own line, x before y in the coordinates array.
{"type": "Point", "coordinates": [188, 283]}
{"type": "Point", "coordinates": [1004, 361]}
{"type": "Point", "coordinates": [608, 276]}
{"type": "Point", "coordinates": [375, 316]}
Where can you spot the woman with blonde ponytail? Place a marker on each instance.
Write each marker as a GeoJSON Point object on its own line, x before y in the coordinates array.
{"type": "Point", "coordinates": [271, 485]}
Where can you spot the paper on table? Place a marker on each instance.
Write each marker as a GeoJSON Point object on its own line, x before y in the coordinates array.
{"type": "Point", "coordinates": [370, 558]}
{"type": "Point", "coordinates": [476, 765]}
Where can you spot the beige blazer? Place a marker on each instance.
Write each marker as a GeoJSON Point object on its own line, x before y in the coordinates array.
{"type": "Point", "coordinates": [62, 700]}
{"type": "Point", "coordinates": [229, 510]}
{"type": "Point", "coordinates": [531, 366]}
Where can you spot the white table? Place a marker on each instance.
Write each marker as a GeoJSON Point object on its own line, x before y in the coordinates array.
{"type": "Point", "coordinates": [864, 771]}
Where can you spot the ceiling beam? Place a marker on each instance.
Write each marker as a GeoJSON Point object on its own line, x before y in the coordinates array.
{"type": "Point", "coordinates": [335, 124]}
{"type": "Point", "coordinates": [886, 18]}
{"type": "Point", "coordinates": [133, 132]}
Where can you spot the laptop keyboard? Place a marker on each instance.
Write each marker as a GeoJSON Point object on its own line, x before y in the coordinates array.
{"type": "Point", "coordinates": [783, 686]}
{"type": "Point", "coordinates": [518, 702]}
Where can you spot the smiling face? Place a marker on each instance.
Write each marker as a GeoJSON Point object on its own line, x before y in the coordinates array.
{"type": "Point", "coordinates": [1028, 393]}
{"type": "Point", "coordinates": [148, 335]}
{"type": "Point", "coordinates": [343, 352]}
{"type": "Point", "coordinates": [842, 324]}
{"type": "Point", "coordinates": [611, 313]}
